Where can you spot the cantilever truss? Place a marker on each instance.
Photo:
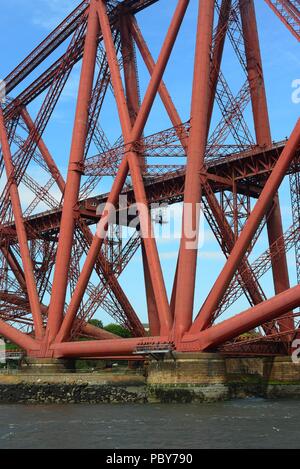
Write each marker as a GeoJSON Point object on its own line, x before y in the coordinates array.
{"type": "Point", "coordinates": [57, 271]}
{"type": "Point", "coordinates": [288, 12]}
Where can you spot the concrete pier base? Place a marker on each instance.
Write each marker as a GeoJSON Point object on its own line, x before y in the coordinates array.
{"type": "Point", "coordinates": [268, 369]}
{"type": "Point", "coordinates": [48, 366]}
{"type": "Point", "coordinates": [187, 377]}
{"type": "Point", "coordinates": [268, 377]}
{"type": "Point", "coordinates": [282, 369]}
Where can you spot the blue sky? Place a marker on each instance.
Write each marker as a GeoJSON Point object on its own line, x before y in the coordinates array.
{"type": "Point", "coordinates": [25, 24]}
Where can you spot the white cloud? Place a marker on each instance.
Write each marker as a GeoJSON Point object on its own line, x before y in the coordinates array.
{"type": "Point", "coordinates": [48, 14]}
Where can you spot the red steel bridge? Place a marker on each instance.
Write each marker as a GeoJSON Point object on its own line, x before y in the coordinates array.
{"type": "Point", "coordinates": [57, 270]}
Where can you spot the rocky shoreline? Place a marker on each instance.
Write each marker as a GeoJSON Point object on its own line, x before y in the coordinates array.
{"type": "Point", "coordinates": [53, 393]}
{"type": "Point", "coordinates": [182, 378]}
{"type": "Point", "coordinates": [24, 393]}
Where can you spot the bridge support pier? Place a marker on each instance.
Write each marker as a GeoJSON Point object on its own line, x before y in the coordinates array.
{"type": "Point", "coordinates": [187, 377]}
{"type": "Point", "coordinates": [208, 377]}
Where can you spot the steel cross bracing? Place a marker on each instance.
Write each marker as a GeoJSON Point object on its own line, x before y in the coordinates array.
{"type": "Point", "coordinates": [56, 274]}
{"type": "Point", "coordinates": [295, 204]}
{"type": "Point", "coordinates": [288, 11]}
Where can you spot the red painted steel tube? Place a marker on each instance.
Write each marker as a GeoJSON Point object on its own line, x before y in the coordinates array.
{"type": "Point", "coordinates": [21, 233]}
{"type": "Point", "coordinates": [253, 317]}
{"type": "Point", "coordinates": [264, 138]}
{"type": "Point", "coordinates": [255, 74]}
{"type": "Point", "coordinates": [187, 264]}
{"type": "Point", "coordinates": [98, 333]}
{"type": "Point", "coordinates": [169, 106]}
{"type": "Point", "coordinates": [15, 267]}
{"type": "Point", "coordinates": [130, 70]}
{"type": "Point", "coordinates": [123, 169]}
{"type": "Point", "coordinates": [86, 328]}
{"type": "Point", "coordinates": [135, 171]}
{"type": "Point", "coordinates": [159, 69]}
{"type": "Point", "coordinates": [125, 358]}
{"type": "Point", "coordinates": [279, 263]}
{"type": "Point", "coordinates": [114, 70]}
{"type": "Point", "coordinates": [210, 338]}
{"type": "Point", "coordinates": [218, 52]}
{"type": "Point", "coordinates": [133, 103]}
{"type": "Point", "coordinates": [165, 97]}
{"type": "Point", "coordinates": [276, 10]}
{"type": "Point", "coordinates": [163, 91]}
{"type": "Point", "coordinates": [63, 256]}
{"type": "Point", "coordinates": [100, 348]}
{"type": "Point", "coordinates": [153, 316]}
{"type": "Point", "coordinates": [174, 290]}
{"type": "Point", "coordinates": [44, 151]}
{"type": "Point", "coordinates": [261, 207]}
{"type": "Point", "coordinates": [19, 338]}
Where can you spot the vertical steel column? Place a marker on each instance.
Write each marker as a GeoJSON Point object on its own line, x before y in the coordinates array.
{"type": "Point", "coordinates": [165, 96]}
{"type": "Point", "coordinates": [130, 70]}
{"type": "Point", "coordinates": [174, 290]}
{"type": "Point", "coordinates": [123, 168]}
{"type": "Point", "coordinates": [255, 73]}
{"type": "Point", "coordinates": [261, 207]}
{"type": "Point", "coordinates": [133, 103]}
{"type": "Point", "coordinates": [21, 233]}
{"type": "Point", "coordinates": [264, 138]}
{"type": "Point", "coordinates": [63, 256]}
{"type": "Point", "coordinates": [135, 171]}
{"type": "Point", "coordinates": [154, 325]}
{"type": "Point", "coordinates": [218, 51]}
{"type": "Point", "coordinates": [195, 165]}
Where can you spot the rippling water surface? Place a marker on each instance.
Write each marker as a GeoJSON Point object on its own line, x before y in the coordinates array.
{"type": "Point", "coordinates": [249, 423]}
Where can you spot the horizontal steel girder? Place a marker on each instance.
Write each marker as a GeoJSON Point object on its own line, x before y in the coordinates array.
{"type": "Point", "coordinates": [250, 169]}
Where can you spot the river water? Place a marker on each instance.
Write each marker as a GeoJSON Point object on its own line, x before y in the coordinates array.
{"type": "Point", "coordinates": [251, 423]}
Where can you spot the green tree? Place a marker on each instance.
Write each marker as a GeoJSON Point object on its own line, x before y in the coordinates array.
{"type": "Point", "coordinates": [118, 330]}
{"type": "Point", "coordinates": [96, 323]}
